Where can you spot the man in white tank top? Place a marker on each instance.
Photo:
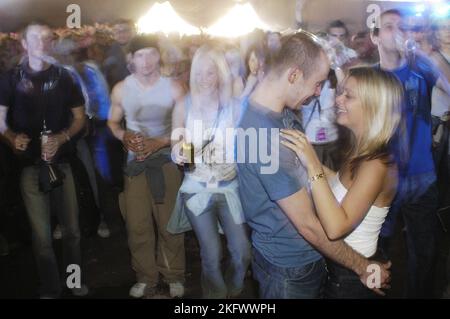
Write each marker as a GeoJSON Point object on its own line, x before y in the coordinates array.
{"type": "Point", "coordinates": [145, 100]}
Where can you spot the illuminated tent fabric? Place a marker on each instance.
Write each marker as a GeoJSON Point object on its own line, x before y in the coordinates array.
{"type": "Point", "coordinates": [163, 18]}
{"type": "Point", "coordinates": [240, 20]}
{"type": "Point", "coordinates": [201, 13]}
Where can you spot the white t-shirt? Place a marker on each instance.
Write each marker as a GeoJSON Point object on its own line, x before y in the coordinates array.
{"type": "Point", "coordinates": [440, 101]}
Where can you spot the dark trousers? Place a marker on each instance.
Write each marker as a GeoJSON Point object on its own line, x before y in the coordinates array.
{"type": "Point", "coordinates": [421, 227]}
{"type": "Point", "coordinates": [38, 209]}
{"type": "Point", "coordinates": [420, 218]}
{"type": "Point", "coordinates": [343, 283]}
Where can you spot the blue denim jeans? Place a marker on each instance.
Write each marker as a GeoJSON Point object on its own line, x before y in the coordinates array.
{"type": "Point", "coordinates": [214, 283]}
{"type": "Point", "coordinates": [275, 282]}
{"type": "Point", "coordinates": [38, 209]}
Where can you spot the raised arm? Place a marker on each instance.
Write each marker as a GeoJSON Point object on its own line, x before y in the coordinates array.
{"type": "Point", "coordinates": [338, 219]}
{"type": "Point", "coordinates": [329, 173]}
{"type": "Point", "coordinates": [441, 64]}
{"type": "Point", "coordinates": [440, 69]}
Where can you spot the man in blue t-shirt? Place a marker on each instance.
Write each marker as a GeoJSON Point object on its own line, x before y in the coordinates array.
{"type": "Point", "coordinates": [274, 185]}
{"type": "Point", "coordinates": [417, 198]}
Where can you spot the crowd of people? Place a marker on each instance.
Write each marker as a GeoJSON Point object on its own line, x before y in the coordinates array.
{"type": "Point", "coordinates": [302, 149]}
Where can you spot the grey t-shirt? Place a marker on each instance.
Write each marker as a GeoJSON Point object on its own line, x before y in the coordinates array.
{"type": "Point", "coordinates": [263, 182]}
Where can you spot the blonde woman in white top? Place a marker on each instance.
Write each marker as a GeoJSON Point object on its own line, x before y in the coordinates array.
{"type": "Point", "coordinates": [353, 204]}
{"type": "Point", "coordinates": [209, 195]}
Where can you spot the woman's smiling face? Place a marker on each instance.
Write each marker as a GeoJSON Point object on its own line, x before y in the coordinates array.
{"type": "Point", "coordinates": [207, 76]}
{"type": "Point", "coordinates": [349, 107]}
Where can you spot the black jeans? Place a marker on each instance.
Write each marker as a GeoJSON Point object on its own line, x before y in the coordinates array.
{"type": "Point", "coordinates": [343, 283]}
{"type": "Point", "coordinates": [440, 150]}
{"type": "Point", "coordinates": [421, 226]}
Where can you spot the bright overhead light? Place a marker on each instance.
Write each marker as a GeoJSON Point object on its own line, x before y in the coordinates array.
{"type": "Point", "coordinates": [163, 18]}
{"type": "Point", "coordinates": [407, 0]}
{"type": "Point", "coordinates": [420, 8]}
{"type": "Point", "coordinates": [240, 20]}
{"type": "Point", "coordinates": [441, 10]}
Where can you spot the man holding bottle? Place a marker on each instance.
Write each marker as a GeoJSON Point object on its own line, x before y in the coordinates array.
{"type": "Point", "coordinates": [417, 198]}
{"type": "Point", "coordinates": [41, 110]}
{"type": "Point", "coordinates": [145, 99]}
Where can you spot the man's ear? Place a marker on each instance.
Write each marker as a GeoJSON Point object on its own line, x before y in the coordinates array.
{"type": "Point", "coordinates": [294, 74]}
{"type": "Point", "coordinates": [24, 44]}
{"type": "Point", "coordinates": [374, 38]}
{"type": "Point", "coordinates": [129, 57]}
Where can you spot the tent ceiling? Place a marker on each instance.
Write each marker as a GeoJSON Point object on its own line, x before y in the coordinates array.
{"type": "Point", "coordinates": [15, 13]}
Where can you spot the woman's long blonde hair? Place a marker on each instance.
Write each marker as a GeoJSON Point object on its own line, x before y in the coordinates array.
{"type": "Point", "coordinates": [223, 70]}
{"type": "Point", "coordinates": [381, 96]}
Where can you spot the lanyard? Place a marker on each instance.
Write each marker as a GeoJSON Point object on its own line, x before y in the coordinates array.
{"type": "Point", "coordinates": [316, 103]}
{"type": "Point", "coordinates": [214, 128]}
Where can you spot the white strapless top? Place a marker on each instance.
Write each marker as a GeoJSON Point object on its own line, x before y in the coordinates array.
{"type": "Point", "coordinates": [364, 237]}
